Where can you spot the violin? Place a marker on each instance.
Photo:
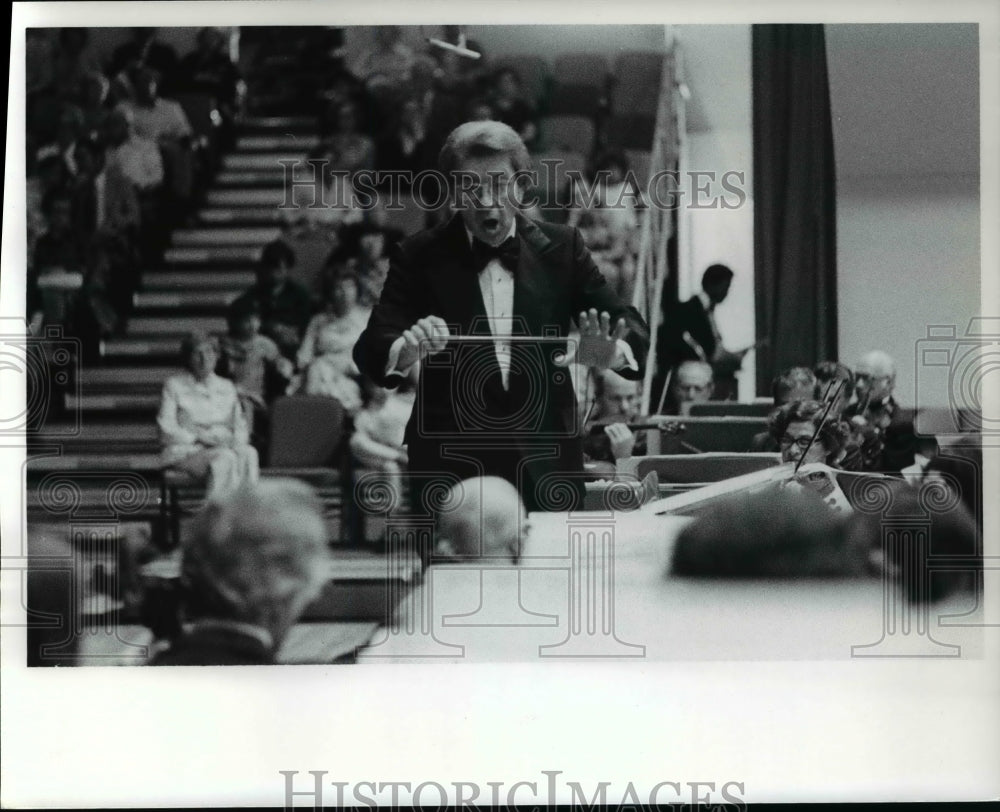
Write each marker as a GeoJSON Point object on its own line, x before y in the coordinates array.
{"type": "Point", "coordinates": [665, 424]}
{"type": "Point", "coordinates": [868, 433]}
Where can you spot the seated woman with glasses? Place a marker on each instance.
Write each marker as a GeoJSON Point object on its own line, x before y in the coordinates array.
{"type": "Point", "coordinates": [793, 425]}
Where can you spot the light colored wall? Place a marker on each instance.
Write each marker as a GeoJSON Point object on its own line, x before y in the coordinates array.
{"type": "Point", "coordinates": [906, 137]}
{"type": "Point", "coordinates": [908, 258]}
{"type": "Point", "coordinates": [716, 66]}
{"type": "Point", "coordinates": [552, 40]}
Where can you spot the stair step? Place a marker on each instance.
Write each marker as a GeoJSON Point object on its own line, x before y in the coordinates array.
{"type": "Point", "coordinates": [259, 177]}
{"type": "Point", "coordinates": [186, 300]}
{"type": "Point", "coordinates": [256, 215]}
{"type": "Point", "coordinates": [254, 161]}
{"type": "Point", "coordinates": [283, 123]}
{"type": "Point", "coordinates": [145, 347]}
{"type": "Point", "coordinates": [219, 237]}
{"type": "Point", "coordinates": [123, 377]}
{"type": "Point", "coordinates": [222, 254]}
{"type": "Point", "coordinates": [183, 280]}
{"type": "Point", "coordinates": [246, 197]}
{"type": "Point", "coordinates": [277, 143]}
{"type": "Point", "coordinates": [104, 438]}
{"type": "Point", "coordinates": [122, 402]}
{"type": "Point", "coordinates": [175, 325]}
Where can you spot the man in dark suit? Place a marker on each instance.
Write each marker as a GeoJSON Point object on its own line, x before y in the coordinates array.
{"type": "Point", "coordinates": [502, 405]}
{"type": "Point", "coordinates": [689, 333]}
{"type": "Point", "coordinates": [888, 428]}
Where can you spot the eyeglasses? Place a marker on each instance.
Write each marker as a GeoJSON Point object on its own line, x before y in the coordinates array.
{"type": "Point", "coordinates": [864, 377]}
{"type": "Point", "coordinates": [801, 442]}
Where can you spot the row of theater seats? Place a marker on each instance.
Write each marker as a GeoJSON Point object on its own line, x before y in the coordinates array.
{"type": "Point", "coordinates": [588, 103]}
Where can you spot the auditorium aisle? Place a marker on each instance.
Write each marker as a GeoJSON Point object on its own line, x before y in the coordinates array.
{"type": "Point", "coordinates": [96, 460]}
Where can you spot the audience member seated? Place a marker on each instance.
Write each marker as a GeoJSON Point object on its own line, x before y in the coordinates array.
{"type": "Point", "coordinates": [106, 201]}
{"type": "Point", "coordinates": [60, 260]}
{"type": "Point", "coordinates": [606, 214]}
{"type": "Point", "coordinates": [284, 305]}
{"type": "Point", "coordinates": [340, 87]}
{"type": "Point", "coordinates": [479, 109]}
{"type": "Point", "coordinates": [404, 145]}
{"type": "Point", "coordinates": [617, 403]}
{"type": "Point", "coordinates": [73, 61]}
{"type": "Point", "coordinates": [154, 118]}
{"type": "Point", "coordinates": [137, 158]}
{"type": "Point", "coordinates": [691, 382]}
{"type": "Point", "coordinates": [510, 106]}
{"type": "Point", "coordinates": [164, 122]}
{"type": "Point", "coordinates": [203, 429]}
{"type": "Point", "coordinates": [63, 246]}
{"type": "Point", "coordinates": [389, 62]}
{"type": "Point", "coordinates": [377, 443]}
{"type": "Point", "coordinates": [209, 70]}
{"type": "Point", "coordinates": [251, 566]}
{"type": "Point", "coordinates": [42, 177]}
{"type": "Point", "coordinates": [484, 521]}
{"type": "Point", "coordinates": [885, 429]}
{"type": "Point", "coordinates": [94, 90]}
{"type": "Point", "coordinates": [255, 364]}
{"type": "Point", "coordinates": [325, 354]}
{"type": "Point", "coordinates": [363, 252]}
{"type": "Point", "coordinates": [441, 109]}
{"type": "Point", "coordinates": [38, 62]}
{"type": "Point", "coordinates": [461, 77]}
{"type": "Point", "coordinates": [795, 383]}
{"type": "Point", "coordinates": [144, 51]}
{"type": "Point", "coordinates": [346, 146]}
{"type": "Point", "coordinates": [69, 129]}
{"type": "Point", "coordinates": [793, 426]}
{"type": "Point", "coordinates": [98, 312]}
{"type": "Point", "coordinates": [342, 154]}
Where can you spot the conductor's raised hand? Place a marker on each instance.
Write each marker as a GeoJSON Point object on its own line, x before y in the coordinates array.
{"type": "Point", "coordinates": [598, 344]}
{"type": "Point", "coordinates": [426, 337]}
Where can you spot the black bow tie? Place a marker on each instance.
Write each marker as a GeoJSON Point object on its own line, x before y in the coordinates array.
{"type": "Point", "coordinates": [507, 252]}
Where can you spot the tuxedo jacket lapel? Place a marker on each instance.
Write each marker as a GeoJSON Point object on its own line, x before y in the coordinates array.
{"type": "Point", "coordinates": [532, 284]}
{"type": "Point", "coordinates": [455, 280]}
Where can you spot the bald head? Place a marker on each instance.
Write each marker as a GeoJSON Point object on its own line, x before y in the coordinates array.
{"type": "Point", "coordinates": [617, 397]}
{"type": "Point", "coordinates": [875, 376]}
{"type": "Point", "coordinates": [692, 383]}
{"type": "Point", "coordinates": [485, 522]}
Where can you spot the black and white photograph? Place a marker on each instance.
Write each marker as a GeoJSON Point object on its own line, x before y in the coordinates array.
{"type": "Point", "coordinates": [534, 406]}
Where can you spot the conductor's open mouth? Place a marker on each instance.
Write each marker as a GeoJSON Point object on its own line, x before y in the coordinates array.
{"type": "Point", "coordinates": [491, 223]}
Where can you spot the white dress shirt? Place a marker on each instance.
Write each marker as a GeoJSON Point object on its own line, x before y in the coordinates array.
{"type": "Point", "coordinates": [496, 284]}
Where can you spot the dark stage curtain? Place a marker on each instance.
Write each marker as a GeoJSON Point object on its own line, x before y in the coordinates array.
{"type": "Point", "coordinates": [795, 229]}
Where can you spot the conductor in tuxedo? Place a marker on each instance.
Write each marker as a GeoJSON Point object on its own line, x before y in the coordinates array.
{"type": "Point", "coordinates": [485, 303]}
{"type": "Point", "coordinates": [689, 333]}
